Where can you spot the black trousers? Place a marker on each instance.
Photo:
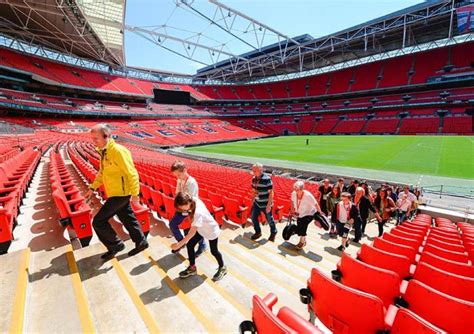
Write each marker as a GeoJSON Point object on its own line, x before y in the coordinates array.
{"type": "Point", "coordinates": [302, 225]}
{"type": "Point", "coordinates": [380, 224]}
{"type": "Point", "coordinates": [191, 245]}
{"type": "Point", "coordinates": [357, 229]}
{"type": "Point", "coordinates": [363, 223]}
{"type": "Point", "coordinates": [121, 207]}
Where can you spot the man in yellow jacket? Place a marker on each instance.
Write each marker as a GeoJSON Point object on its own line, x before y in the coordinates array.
{"type": "Point", "coordinates": [120, 179]}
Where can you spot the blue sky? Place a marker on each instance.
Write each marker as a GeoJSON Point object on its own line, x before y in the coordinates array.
{"type": "Point", "coordinates": [293, 18]}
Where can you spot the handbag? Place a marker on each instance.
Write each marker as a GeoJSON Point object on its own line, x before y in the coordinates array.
{"type": "Point", "coordinates": [289, 230]}
{"type": "Point", "coordinates": [321, 221]}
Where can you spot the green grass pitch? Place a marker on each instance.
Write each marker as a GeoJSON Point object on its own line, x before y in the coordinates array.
{"type": "Point", "coordinates": [451, 156]}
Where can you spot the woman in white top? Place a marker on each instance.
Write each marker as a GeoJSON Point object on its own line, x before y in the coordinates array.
{"type": "Point", "coordinates": [403, 208]}
{"type": "Point", "coordinates": [303, 207]}
{"type": "Point", "coordinates": [203, 226]}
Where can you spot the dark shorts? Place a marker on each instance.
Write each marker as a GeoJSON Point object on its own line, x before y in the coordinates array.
{"type": "Point", "coordinates": [342, 230]}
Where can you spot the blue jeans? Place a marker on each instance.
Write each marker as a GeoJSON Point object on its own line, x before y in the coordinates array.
{"type": "Point", "coordinates": [174, 227]}
{"type": "Point", "coordinates": [401, 216]}
{"type": "Point", "coordinates": [256, 213]}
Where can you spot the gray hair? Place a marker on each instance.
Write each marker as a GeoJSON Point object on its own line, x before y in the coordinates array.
{"type": "Point", "coordinates": [360, 190]}
{"type": "Point", "coordinates": [258, 165]}
{"type": "Point", "coordinates": [103, 129]}
{"type": "Point", "coordinates": [298, 185]}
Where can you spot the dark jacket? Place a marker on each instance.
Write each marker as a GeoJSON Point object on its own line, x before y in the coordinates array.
{"type": "Point", "coordinates": [364, 206]}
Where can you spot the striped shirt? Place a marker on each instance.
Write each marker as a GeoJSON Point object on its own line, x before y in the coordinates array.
{"type": "Point", "coordinates": [262, 185]}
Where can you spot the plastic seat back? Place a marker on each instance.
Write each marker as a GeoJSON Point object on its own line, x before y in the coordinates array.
{"type": "Point", "coordinates": [385, 260]}
{"type": "Point", "coordinates": [382, 283]}
{"type": "Point", "coordinates": [343, 309]}
{"type": "Point", "coordinates": [394, 248]}
{"type": "Point", "coordinates": [408, 322]}
{"type": "Point", "coordinates": [446, 254]}
{"type": "Point", "coordinates": [448, 313]}
{"type": "Point", "coordinates": [457, 268]}
{"type": "Point", "coordinates": [454, 285]}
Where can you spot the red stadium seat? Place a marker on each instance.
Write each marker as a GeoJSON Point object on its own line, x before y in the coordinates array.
{"type": "Point", "coordinates": [234, 211]}
{"type": "Point", "coordinates": [446, 254]}
{"type": "Point", "coordinates": [408, 322]}
{"type": "Point", "coordinates": [457, 268]}
{"type": "Point", "coordinates": [385, 260]}
{"type": "Point", "coordinates": [379, 282]}
{"type": "Point", "coordinates": [343, 309]}
{"type": "Point", "coordinates": [419, 237]}
{"type": "Point", "coordinates": [285, 322]}
{"type": "Point", "coordinates": [401, 240]}
{"type": "Point", "coordinates": [217, 213]}
{"type": "Point", "coordinates": [445, 245]}
{"type": "Point", "coordinates": [413, 228]}
{"type": "Point", "coordinates": [448, 313]}
{"type": "Point", "coordinates": [454, 285]}
{"type": "Point", "coordinates": [169, 207]}
{"type": "Point", "coordinates": [143, 217]}
{"type": "Point", "coordinates": [77, 214]}
{"type": "Point", "coordinates": [455, 241]}
{"type": "Point", "coordinates": [394, 248]}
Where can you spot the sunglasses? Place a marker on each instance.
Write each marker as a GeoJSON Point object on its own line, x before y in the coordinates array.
{"type": "Point", "coordinates": [184, 212]}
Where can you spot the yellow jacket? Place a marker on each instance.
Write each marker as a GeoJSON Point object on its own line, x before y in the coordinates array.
{"type": "Point", "coordinates": [117, 172]}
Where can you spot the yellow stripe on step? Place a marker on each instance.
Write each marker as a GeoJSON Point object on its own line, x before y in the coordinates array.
{"type": "Point", "coordinates": [224, 294]}
{"type": "Point", "coordinates": [208, 325]}
{"type": "Point", "coordinates": [81, 300]}
{"type": "Point", "coordinates": [18, 317]}
{"type": "Point", "coordinates": [141, 308]}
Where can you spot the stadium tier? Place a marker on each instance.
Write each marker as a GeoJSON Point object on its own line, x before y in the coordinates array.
{"type": "Point", "coordinates": [396, 72]}
{"type": "Point", "coordinates": [411, 70]}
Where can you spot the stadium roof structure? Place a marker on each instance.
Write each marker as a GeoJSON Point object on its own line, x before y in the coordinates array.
{"type": "Point", "coordinates": [419, 24]}
{"type": "Point", "coordinates": [91, 29]}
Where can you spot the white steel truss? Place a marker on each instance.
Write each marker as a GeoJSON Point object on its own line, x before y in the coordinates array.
{"type": "Point", "coordinates": [290, 56]}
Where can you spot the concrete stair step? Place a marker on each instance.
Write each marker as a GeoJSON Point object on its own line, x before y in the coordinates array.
{"type": "Point", "coordinates": [212, 301]}
{"type": "Point", "coordinates": [111, 306]}
{"type": "Point", "coordinates": [158, 291]}
{"type": "Point", "coordinates": [51, 294]}
{"type": "Point", "coordinates": [9, 275]}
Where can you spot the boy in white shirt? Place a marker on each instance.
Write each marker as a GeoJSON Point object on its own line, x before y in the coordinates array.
{"type": "Point", "coordinates": [188, 184]}
{"type": "Point", "coordinates": [203, 226]}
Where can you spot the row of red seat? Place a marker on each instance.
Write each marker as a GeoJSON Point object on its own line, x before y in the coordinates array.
{"type": "Point", "coordinates": [412, 269]}
{"type": "Point", "coordinates": [225, 191]}
{"type": "Point", "coordinates": [15, 176]}
{"type": "Point", "coordinates": [332, 124]}
{"type": "Point", "coordinates": [74, 212]}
